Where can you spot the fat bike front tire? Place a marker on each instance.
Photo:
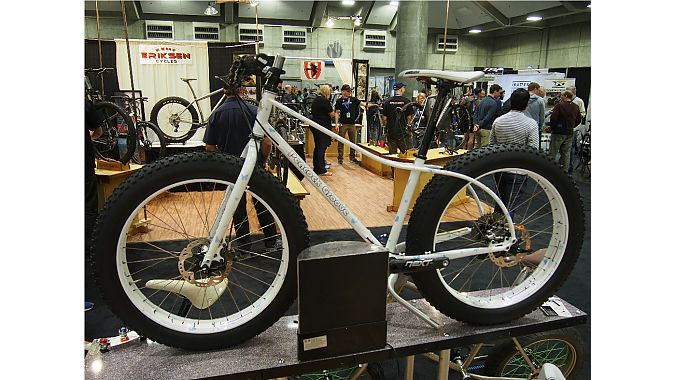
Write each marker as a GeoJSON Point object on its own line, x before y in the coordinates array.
{"type": "Point", "coordinates": [152, 234]}
{"type": "Point", "coordinates": [497, 287]}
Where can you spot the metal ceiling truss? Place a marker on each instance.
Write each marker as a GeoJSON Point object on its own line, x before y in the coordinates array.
{"type": "Point", "coordinates": [563, 14]}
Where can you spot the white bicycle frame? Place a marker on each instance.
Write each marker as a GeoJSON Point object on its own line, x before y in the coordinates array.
{"type": "Point", "coordinates": [196, 101]}
{"type": "Point", "coordinates": [262, 127]}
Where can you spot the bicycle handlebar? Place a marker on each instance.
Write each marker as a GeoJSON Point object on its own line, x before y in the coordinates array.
{"type": "Point", "coordinates": [128, 98]}
{"type": "Point", "coordinates": [260, 64]}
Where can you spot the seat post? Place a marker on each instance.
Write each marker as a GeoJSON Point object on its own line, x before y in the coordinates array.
{"type": "Point", "coordinates": [194, 98]}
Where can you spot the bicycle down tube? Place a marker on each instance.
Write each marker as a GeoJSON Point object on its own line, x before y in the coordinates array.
{"type": "Point", "coordinates": [416, 168]}
{"type": "Point", "coordinates": [262, 126]}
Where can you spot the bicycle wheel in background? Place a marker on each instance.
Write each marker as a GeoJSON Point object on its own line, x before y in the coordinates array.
{"type": "Point", "coordinates": [176, 118]}
{"type": "Point", "coordinates": [497, 287]}
{"type": "Point", "coordinates": [152, 144]}
{"type": "Point", "coordinates": [151, 237]}
{"type": "Point", "coordinates": [413, 130]}
{"type": "Point", "coordinates": [462, 125]}
{"type": "Point", "coordinates": [118, 141]}
{"type": "Point", "coordinates": [564, 348]}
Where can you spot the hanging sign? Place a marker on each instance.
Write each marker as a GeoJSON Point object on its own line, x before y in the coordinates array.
{"type": "Point", "coordinates": [558, 85]}
{"type": "Point", "coordinates": [312, 70]}
{"type": "Point", "coordinates": [165, 55]}
{"type": "Point", "coordinates": [519, 84]}
{"type": "Point", "coordinates": [554, 88]}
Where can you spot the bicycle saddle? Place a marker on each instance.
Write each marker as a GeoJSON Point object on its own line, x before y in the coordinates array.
{"type": "Point", "coordinates": [186, 80]}
{"type": "Point", "coordinates": [221, 78]}
{"type": "Point", "coordinates": [456, 76]}
{"type": "Point", "coordinates": [550, 372]}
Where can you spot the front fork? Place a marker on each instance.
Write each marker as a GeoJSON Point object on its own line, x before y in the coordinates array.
{"type": "Point", "coordinates": [233, 195]}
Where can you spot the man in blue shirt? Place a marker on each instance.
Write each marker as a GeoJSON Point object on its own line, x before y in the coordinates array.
{"type": "Point", "coordinates": [487, 111]}
{"type": "Point", "coordinates": [347, 109]}
{"type": "Point", "coordinates": [229, 131]}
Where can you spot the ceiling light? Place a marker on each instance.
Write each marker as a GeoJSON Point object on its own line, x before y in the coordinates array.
{"type": "Point", "coordinates": [589, 5]}
{"type": "Point", "coordinates": [329, 22]}
{"type": "Point", "coordinates": [210, 11]}
{"type": "Point", "coordinates": [534, 18]}
{"type": "Point", "coordinates": [348, 2]}
{"type": "Point", "coordinates": [394, 3]}
{"type": "Point", "coordinates": [475, 31]}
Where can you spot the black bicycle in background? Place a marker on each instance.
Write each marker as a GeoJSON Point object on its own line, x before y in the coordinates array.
{"type": "Point", "coordinates": [118, 140]}
{"type": "Point", "coordinates": [151, 143]}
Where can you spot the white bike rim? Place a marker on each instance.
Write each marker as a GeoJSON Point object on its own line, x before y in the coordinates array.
{"type": "Point", "coordinates": [189, 325]}
{"type": "Point", "coordinates": [546, 268]}
{"type": "Point", "coordinates": [185, 119]}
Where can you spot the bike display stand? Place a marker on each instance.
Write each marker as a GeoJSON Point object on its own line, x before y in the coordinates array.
{"type": "Point", "coordinates": [273, 353]}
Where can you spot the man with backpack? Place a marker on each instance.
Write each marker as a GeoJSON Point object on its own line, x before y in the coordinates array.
{"type": "Point", "coordinates": [391, 114]}
{"type": "Point", "coordinates": [565, 117]}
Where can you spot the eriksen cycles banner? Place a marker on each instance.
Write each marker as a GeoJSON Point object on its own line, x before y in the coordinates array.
{"type": "Point", "coordinates": [165, 55]}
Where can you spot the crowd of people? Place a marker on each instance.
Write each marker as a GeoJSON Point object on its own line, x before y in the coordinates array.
{"type": "Point", "coordinates": [495, 120]}
{"type": "Point", "coordinates": [498, 122]}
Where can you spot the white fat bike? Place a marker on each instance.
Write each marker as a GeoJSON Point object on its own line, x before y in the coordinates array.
{"type": "Point", "coordinates": [199, 250]}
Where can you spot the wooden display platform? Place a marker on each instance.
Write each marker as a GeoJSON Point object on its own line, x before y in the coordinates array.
{"type": "Point", "coordinates": [372, 165]}
{"type": "Point", "coordinates": [296, 187]}
{"type": "Point", "coordinates": [273, 353]}
{"type": "Point", "coordinates": [332, 150]}
{"type": "Point", "coordinates": [107, 180]}
{"type": "Point", "coordinates": [436, 156]}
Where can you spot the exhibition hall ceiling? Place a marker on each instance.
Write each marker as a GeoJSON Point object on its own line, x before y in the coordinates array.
{"type": "Point", "coordinates": [497, 16]}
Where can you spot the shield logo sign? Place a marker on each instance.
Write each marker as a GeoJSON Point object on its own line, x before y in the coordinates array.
{"type": "Point", "coordinates": [312, 69]}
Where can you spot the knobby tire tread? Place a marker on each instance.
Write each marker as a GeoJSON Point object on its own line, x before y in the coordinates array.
{"type": "Point", "coordinates": [156, 169]}
{"type": "Point", "coordinates": [193, 113]}
{"type": "Point", "coordinates": [428, 201]}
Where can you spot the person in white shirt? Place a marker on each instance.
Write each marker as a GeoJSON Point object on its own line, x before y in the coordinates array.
{"type": "Point", "coordinates": [514, 128]}
{"type": "Point", "coordinates": [576, 132]}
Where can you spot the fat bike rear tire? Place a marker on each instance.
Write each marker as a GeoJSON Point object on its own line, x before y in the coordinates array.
{"type": "Point", "coordinates": [497, 287]}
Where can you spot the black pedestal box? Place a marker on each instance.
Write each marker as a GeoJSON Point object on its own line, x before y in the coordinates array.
{"type": "Point", "coordinates": [342, 288]}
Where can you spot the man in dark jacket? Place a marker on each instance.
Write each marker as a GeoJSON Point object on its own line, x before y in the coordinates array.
{"type": "Point", "coordinates": [486, 114]}
{"type": "Point", "coordinates": [565, 116]}
{"type": "Point", "coordinates": [229, 131]}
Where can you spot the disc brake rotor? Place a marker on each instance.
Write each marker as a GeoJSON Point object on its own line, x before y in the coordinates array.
{"type": "Point", "coordinates": [507, 260]}
{"type": "Point", "coordinates": [188, 275]}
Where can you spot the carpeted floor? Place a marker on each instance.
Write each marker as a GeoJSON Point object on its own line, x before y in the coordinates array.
{"type": "Point", "coordinates": [100, 322]}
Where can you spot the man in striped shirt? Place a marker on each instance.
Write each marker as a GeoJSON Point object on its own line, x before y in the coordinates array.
{"type": "Point", "coordinates": [515, 128]}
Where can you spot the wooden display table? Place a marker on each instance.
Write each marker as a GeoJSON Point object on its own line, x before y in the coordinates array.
{"type": "Point", "coordinates": [372, 165]}
{"type": "Point", "coordinates": [436, 156]}
{"type": "Point", "coordinates": [108, 180]}
{"type": "Point", "coordinates": [332, 150]}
